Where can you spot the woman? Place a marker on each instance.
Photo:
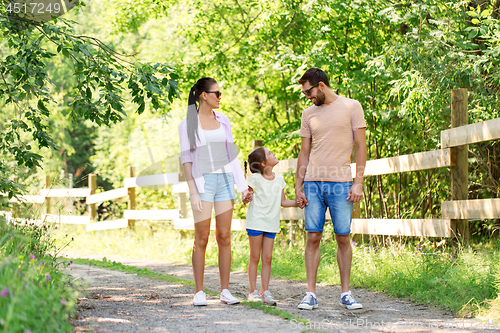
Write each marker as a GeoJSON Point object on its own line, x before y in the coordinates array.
{"type": "Point", "coordinates": [211, 168]}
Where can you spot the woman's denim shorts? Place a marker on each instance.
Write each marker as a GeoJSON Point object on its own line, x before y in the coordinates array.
{"type": "Point", "coordinates": [218, 187]}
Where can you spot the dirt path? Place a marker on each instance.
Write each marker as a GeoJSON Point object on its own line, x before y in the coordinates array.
{"type": "Point", "coordinates": [121, 302]}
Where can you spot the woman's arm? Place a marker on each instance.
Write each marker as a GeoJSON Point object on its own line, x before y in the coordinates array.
{"type": "Point", "coordinates": [194, 196]}
{"type": "Point", "coordinates": [287, 203]}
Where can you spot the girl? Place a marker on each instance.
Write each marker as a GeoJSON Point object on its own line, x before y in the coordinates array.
{"type": "Point", "coordinates": [211, 169]}
{"type": "Point", "coordinates": [263, 219]}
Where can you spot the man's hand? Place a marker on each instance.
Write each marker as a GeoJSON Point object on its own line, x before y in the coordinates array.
{"type": "Point", "coordinates": [300, 198]}
{"type": "Point", "coordinates": [355, 193]}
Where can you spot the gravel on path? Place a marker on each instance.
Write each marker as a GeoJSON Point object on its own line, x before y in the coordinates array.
{"type": "Point", "coordinates": [172, 310]}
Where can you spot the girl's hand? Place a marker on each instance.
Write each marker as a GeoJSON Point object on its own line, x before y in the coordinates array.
{"type": "Point", "coordinates": [195, 202]}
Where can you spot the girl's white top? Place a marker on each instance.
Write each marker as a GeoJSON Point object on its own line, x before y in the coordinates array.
{"type": "Point", "coordinates": [213, 155]}
{"type": "Point", "coordinates": [264, 210]}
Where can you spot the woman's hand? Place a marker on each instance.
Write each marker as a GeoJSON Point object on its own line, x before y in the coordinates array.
{"type": "Point", "coordinates": [195, 202]}
{"type": "Point", "coordinates": [247, 195]}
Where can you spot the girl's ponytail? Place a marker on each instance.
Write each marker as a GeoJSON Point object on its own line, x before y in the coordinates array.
{"type": "Point", "coordinates": [245, 167]}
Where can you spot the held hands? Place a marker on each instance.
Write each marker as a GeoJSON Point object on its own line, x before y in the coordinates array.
{"type": "Point", "coordinates": [195, 202]}
{"type": "Point", "coordinates": [247, 195]}
{"type": "Point", "coordinates": [300, 198]}
{"type": "Point", "coordinates": [355, 193]}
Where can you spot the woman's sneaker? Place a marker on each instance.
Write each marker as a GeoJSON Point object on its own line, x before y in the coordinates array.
{"type": "Point", "coordinates": [268, 299]}
{"type": "Point", "coordinates": [226, 297]}
{"type": "Point", "coordinates": [349, 302]}
{"type": "Point", "coordinates": [254, 297]}
{"type": "Point", "coordinates": [200, 298]}
{"type": "Point", "coordinates": [308, 303]}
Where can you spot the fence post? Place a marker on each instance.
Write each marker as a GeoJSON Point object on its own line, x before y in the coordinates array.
{"type": "Point", "coordinates": [70, 186]}
{"type": "Point", "coordinates": [256, 144]}
{"type": "Point", "coordinates": [47, 199]}
{"type": "Point", "coordinates": [92, 186]}
{"type": "Point", "coordinates": [131, 197]}
{"type": "Point", "coordinates": [459, 155]}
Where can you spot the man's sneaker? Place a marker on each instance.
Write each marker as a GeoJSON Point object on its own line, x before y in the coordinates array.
{"type": "Point", "coordinates": [226, 297]}
{"type": "Point", "coordinates": [254, 297]}
{"type": "Point", "coordinates": [349, 302]}
{"type": "Point", "coordinates": [308, 303]}
{"type": "Point", "coordinates": [200, 298]}
{"type": "Point", "coordinates": [268, 299]}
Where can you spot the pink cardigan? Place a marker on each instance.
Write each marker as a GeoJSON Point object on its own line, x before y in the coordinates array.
{"type": "Point", "coordinates": [188, 156]}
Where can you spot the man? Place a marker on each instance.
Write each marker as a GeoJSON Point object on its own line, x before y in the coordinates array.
{"type": "Point", "coordinates": [328, 131]}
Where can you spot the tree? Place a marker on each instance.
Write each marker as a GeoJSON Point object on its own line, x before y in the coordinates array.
{"type": "Point", "coordinates": [100, 80]}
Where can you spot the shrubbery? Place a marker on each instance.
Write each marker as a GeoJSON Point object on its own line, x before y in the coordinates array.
{"type": "Point", "coordinates": [36, 295]}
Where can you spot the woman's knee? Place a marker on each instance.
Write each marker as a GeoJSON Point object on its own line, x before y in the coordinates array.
{"type": "Point", "coordinates": [223, 238]}
{"type": "Point", "coordinates": [201, 240]}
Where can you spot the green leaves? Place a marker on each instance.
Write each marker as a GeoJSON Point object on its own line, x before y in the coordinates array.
{"type": "Point", "coordinates": [100, 81]}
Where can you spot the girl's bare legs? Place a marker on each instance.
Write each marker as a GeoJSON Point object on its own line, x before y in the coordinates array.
{"type": "Point", "coordinates": [223, 219]}
{"type": "Point", "coordinates": [201, 233]}
{"type": "Point", "coordinates": [253, 263]}
{"type": "Point", "coordinates": [267, 258]}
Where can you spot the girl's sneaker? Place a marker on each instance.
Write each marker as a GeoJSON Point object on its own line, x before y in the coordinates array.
{"type": "Point", "coordinates": [226, 297]}
{"type": "Point", "coordinates": [200, 298]}
{"type": "Point", "coordinates": [268, 299]}
{"type": "Point", "coordinates": [254, 297]}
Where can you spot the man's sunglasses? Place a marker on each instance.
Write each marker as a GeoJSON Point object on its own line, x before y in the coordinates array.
{"type": "Point", "coordinates": [308, 91]}
{"type": "Point", "coordinates": [217, 93]}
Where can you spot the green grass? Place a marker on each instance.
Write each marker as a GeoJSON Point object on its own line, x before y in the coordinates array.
{"type": "Point", "coordinates": [36, 296]}
{"type": "Point", "coordinates": [463, 280]}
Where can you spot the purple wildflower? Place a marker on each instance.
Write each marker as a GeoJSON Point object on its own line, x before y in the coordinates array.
{"type": "Point", "coordinates": [5, 291]}
{"type": "Point", "coordinates": [31, 256]}
{"type": "Point", "coordinates": [63, 302]}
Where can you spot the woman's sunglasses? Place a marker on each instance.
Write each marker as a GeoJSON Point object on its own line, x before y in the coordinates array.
{"type": "Point", "coordinates": [217, 93]}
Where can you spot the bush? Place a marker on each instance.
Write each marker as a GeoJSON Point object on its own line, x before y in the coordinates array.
{"type": "Point", "coordinates": [35, 296]}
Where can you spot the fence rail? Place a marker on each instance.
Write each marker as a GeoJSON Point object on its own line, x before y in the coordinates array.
{"type": "Point", "coordinates": [453, 212]}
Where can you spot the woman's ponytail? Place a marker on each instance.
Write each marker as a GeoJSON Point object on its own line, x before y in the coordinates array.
{"type": "Point", "coordinates": [192, 119]}
{"type": "Point", "coordinates": [203, 84]}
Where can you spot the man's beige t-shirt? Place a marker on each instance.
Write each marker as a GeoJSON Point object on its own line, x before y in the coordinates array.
{"type": "Point", "coordinates": [331, 128]}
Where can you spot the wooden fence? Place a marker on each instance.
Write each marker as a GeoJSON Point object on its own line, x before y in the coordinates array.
{"type": "Point", "coordinates": [453, 155]}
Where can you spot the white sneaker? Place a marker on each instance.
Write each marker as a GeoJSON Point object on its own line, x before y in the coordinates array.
{"type": "Point", "coordinates": [254, 297]}
{"type": "Point", "coordinates": [268, 299]}
{"type": "Point", "coordinates": [200, 298]}
{"type": "Point", "coordinates": [226, 297]}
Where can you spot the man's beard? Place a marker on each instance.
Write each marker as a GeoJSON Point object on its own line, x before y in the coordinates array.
{"type": "Point", "coordinates": [320, 99]}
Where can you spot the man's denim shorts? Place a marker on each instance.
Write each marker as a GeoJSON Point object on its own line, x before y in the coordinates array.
{"type": "Point", "coordinates": [333, 195]}
{"type": "Point", "coordinates": [218, 187]}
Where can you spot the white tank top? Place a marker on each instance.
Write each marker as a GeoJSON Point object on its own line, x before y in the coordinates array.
{"type": "Point", "coordinates": [213, 156]}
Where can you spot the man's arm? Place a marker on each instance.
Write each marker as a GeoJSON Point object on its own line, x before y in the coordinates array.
{"type": "Point", "coordinates": [302, 163]}
{"type": "Point", "coordinates": [356, 191]}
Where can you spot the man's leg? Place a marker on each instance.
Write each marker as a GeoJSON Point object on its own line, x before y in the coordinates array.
{"type": "Point", "coordinates": [312, 257]}
{"type": "Point", "coordinates": [344, 259]}
{"type": "Point", "coordinates": [314, 223]}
